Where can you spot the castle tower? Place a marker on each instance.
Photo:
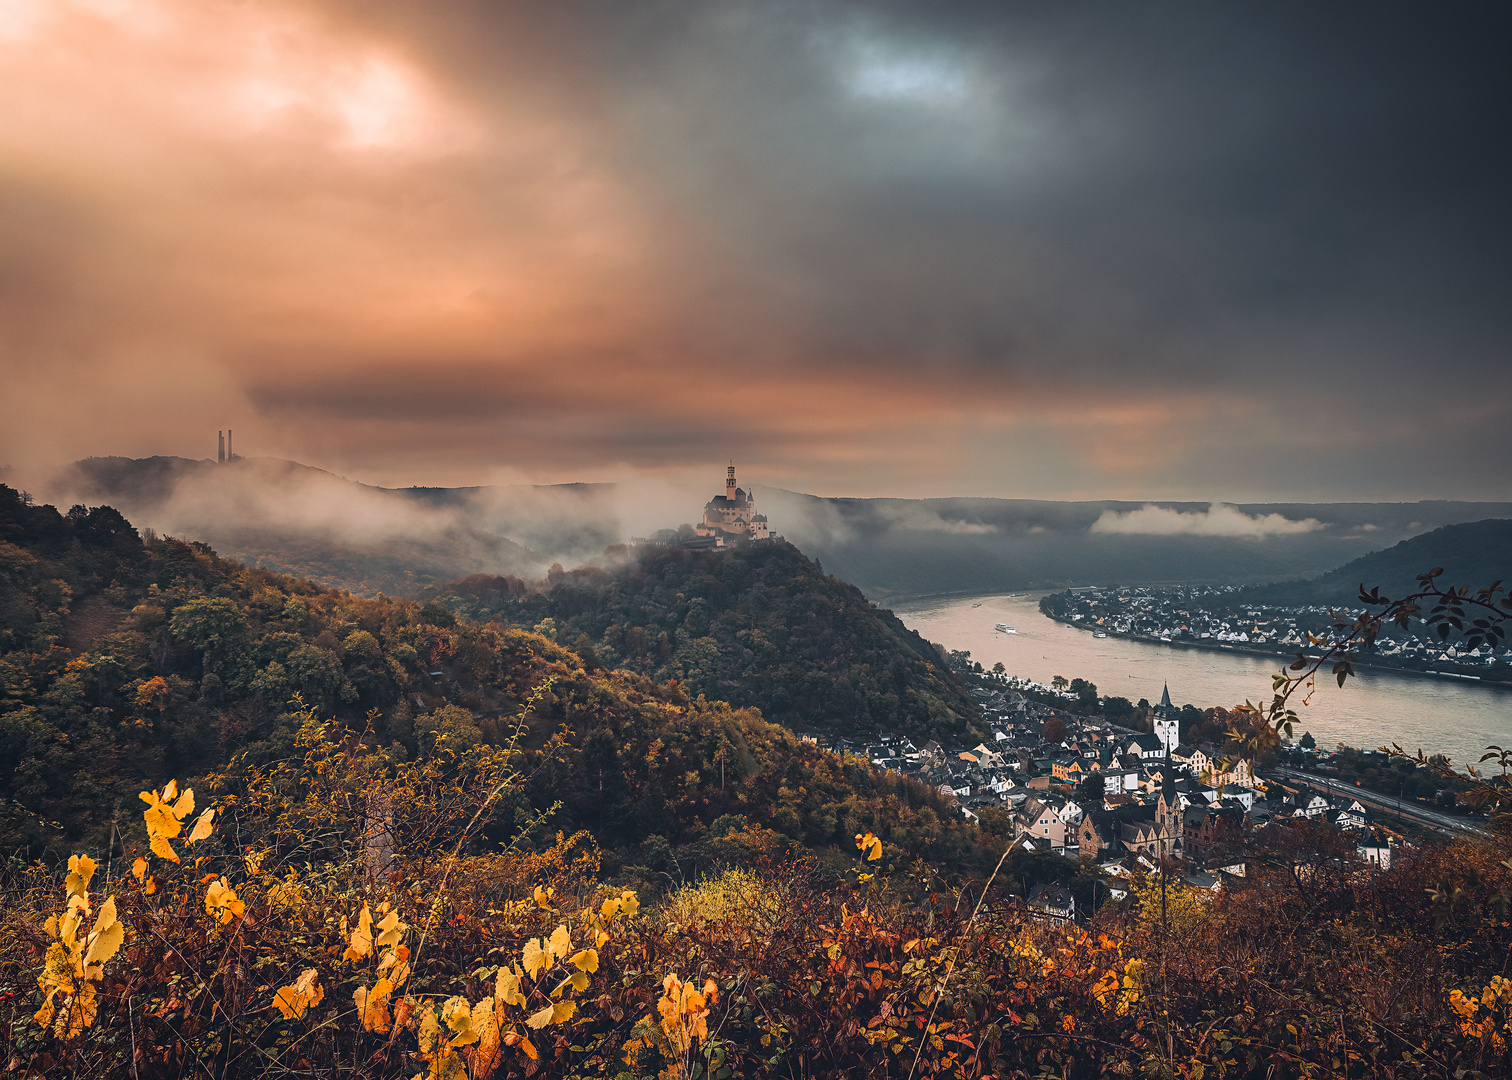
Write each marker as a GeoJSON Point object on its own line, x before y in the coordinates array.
{"type": "Point", "coordinates": [220, 447]}
{"type": "Point", "coordinates": [732, 517]}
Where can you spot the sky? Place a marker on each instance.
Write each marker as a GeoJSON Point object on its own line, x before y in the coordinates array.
{"type": "Point", "coordinates": [1175, 251]}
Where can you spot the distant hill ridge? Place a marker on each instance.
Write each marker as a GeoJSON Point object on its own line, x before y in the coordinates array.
{"type": "Point", "coordinates": [1474, 553]}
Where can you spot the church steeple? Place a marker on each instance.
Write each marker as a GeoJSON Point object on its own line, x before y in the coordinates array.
{"type": "Point", "coordinates": [1165, 724]}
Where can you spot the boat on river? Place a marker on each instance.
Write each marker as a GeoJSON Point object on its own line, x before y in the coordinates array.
{"type": "Point", "coordinates": [1004, 628]}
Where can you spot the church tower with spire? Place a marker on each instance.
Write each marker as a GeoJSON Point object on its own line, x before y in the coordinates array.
{"type": "Point", "coordinates": [1167, 729]}
{"type": "Point", "coordinates": [1165, 724]}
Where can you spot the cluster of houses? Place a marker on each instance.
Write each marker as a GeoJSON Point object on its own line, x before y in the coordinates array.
{"type": "Point", "coordinates": [1208, 614]}
{"type": "Point", "coordinates": [1131, 802]}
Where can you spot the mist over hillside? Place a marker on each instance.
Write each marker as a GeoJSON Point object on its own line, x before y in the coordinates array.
{"type": "Point", "coordinates": [297, 519]}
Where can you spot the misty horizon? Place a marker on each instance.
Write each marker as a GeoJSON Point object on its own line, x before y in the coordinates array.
{"type": "Point", "coordinates": [299, 519]}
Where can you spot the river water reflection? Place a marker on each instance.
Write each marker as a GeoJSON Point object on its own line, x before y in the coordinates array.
{"type": "Point", "coordinates": [1374, 709]}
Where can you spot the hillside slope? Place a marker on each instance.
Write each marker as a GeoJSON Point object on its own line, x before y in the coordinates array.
{"type": "Point", "coordinates": [760, 626]}
{"type": "Point", "coordinates": [1475, 553]}
{"type": "Point", "coordinates": [125, 662]}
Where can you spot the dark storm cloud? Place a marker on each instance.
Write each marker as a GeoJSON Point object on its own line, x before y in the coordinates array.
{"type": "Point", "coordinates": [1005, 249]}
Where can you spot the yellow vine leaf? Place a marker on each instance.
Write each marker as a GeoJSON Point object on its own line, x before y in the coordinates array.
{"type": "Point", "coordinates": [165, 815]}
{"type": "Point", "coordinates": [361, 945]}
{"type": "Point", "coordinates": [543, 897]}
{"type": "Point", "coordinates": [105, 939]}
{"type": "Point", "coordinates": [457, 1015]}
{"type": "Point", "coordinates": [80, 869]}
{"type": "Point", "coordinates": [139, 869]}
{"type": "Point", "coordinates": [372, 1005]}
{"type": "Point", "coordinates": [429, 1032]}
{"type": "Point", "coordinates": [202, 827]}
{"type": "Point", "coordinates": [586, 960]}
{"type": "Point", "coordinates": [538, 1020]}
{"type": "Point", "coordinates": [161, 848]}
{"type": "Point", "coordinates": [482, 1020]}
{"type": "Point", "coordinates": [560, 943]}
{"type": "Point", "coordinates": [159, 816]}
{"type": "Point", "coordinates": [487, 1054]}
{"type": "Point", "coordinates": [391, 930]}
{"type": "Point", "coordinates": [293, 1000]}
{"type": "Point", "coordinates": [399, 970]}
{"type": "Point", "coordinates": [870, 846]}
{"type": "Point", "coordinates": [535, 958]}
{"type": "Point", "coordinates": [507, 988]}
{"type": "Point", "coordinates": [221, 901]}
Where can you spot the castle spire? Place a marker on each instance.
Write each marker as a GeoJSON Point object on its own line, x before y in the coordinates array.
{"type": "Point", "coordinates": [1165, 696]}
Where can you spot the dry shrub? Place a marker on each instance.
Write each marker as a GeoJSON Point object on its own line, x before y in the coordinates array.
{"type": "Point", "coordinates": [738, 898]}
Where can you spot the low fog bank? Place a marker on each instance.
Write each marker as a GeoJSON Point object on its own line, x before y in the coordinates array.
{"type": "Point", "coordinates": [897, 548]}
{"type": "Point", "coordinates": [301, 520]}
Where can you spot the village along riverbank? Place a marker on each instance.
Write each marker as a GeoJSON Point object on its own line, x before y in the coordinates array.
{"type": "Point", "coordinates": [1378, 708]}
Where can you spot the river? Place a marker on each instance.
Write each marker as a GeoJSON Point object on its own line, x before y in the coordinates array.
{"type": "Point", "coordinates": [1373, 709]}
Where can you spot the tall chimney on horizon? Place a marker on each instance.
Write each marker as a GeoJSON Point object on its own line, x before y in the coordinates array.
{"type": "Point", "coordinates": [229, 455]}
{"type": "Point", "coordinates": [220, 448]}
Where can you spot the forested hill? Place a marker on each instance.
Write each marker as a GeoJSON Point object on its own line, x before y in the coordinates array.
{"type": "Point", "coordinates": [1474, 553]}
{"type": "Point", "coordinates": [124, 663]}
{"type": "Point", "coordinates": [760, 626]}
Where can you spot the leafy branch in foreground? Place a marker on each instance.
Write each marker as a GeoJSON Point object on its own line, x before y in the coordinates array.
{"type": "Point", "coordinates": [1475, 619]}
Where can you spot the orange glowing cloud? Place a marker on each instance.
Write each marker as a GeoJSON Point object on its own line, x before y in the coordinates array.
{"type": "Point", "coordinates": [441, 242]}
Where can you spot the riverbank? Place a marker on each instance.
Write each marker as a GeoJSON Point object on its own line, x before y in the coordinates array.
{"type": "Point", "coordinates": [1456, 717]}
{"type": "Point", "coordinates": [1286, 656]}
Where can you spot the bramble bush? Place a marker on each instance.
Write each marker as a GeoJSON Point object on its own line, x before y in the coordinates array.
{"type": "Point", "coordinates": [316, 920]}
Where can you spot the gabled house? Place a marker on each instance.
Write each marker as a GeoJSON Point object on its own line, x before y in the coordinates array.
{"type": "Point", "coordinates": [1311, 807]}
{"type": "Point", "coordinates": [1041, 821]}
{"type": "Point", "coordinates": [1145, 747]}
{"type": "Point", "coordinates": [1053, 902]}
{"type": "Point", "coordinates": [1192, 757]}
{"type": "Point", "coordinates": [1067, 768]}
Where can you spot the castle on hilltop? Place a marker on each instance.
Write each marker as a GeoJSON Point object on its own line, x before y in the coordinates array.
{"type": "Point", "coordinates": [732, 517]}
